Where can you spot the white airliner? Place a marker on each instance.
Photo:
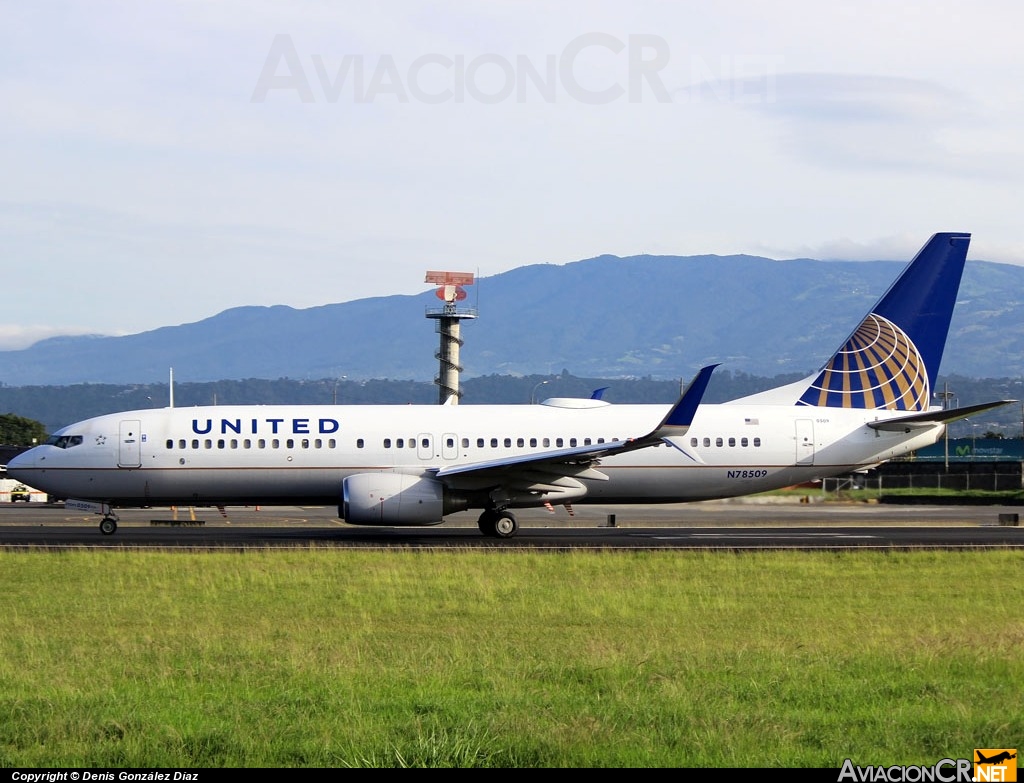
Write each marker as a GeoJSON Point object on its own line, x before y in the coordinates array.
{"type": "Point", "coordinates": [415, 464]}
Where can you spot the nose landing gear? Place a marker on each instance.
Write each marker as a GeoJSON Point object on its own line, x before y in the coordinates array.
{"type": "Point", "coordinates": [108, 525]}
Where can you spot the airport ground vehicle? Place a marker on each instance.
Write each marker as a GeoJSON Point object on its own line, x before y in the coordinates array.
{"type": "Point", "coordinates": [14, 491]}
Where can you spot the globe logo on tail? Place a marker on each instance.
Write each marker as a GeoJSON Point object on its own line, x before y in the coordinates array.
{"type": "Point", "coordinates": [878, 367]}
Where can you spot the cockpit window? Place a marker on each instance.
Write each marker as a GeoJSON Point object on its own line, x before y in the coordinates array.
{"type": "Point", "coordinates": [65, 441]}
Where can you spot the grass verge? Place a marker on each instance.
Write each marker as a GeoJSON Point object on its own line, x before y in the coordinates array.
{"type": "Point", "coordinates": [328, 658]}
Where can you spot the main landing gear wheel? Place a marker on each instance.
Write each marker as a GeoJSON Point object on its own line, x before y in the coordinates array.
{"type": "Point", "coordinates": [108, 526]}
{"type": "Point", "coordinates": [505, 526]}
{"type": "Point", "coordinates": [498, 524]}
{"type": "Point", "coordinates": [486, 523]}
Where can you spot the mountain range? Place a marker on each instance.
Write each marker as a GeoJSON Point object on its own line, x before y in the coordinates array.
{"type": "Point", "coordinates": [659, 317]}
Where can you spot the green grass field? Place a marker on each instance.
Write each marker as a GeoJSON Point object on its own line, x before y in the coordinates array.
{"type": "Point", "coordinates": [343, 658]}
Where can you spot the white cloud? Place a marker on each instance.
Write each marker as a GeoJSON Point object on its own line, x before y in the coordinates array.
{"type": "Point", "coordinates": [15, 337]}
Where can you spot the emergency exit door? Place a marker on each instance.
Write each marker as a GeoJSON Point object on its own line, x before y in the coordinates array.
{"type": "Point", "coordinates": [804, 442]}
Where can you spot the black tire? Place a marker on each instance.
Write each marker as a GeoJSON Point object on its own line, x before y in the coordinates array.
{"type": "Point", "coordinates": [108, 526]}
{"type": "Point", "coordinates": [487, 522]}
{"type": "Point", "coordinates": [505, 526]}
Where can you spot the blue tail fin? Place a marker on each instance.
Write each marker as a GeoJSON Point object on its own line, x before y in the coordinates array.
{"type": "Point", "coordinates": [891, 360]}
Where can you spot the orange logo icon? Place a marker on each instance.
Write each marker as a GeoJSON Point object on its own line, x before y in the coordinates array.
{"type": "Point", "coordinates": [995, 765]}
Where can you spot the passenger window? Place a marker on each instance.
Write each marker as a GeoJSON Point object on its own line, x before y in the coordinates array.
{"type": "Point", "coordinates": [732, 443]}
{"type": "Point", "coordinates": [586, 441]}
{"type": "Point", "coordinates": [387, 443]}
{"type": "Point", "coordinates": [533, 443]}
{"type": "Point", "coordinates": [572, 442]}
{"type": "Point", "coordinates": [520, 442]}
{"type": "Point", "coordinates": [558, 443]}
{"type": "Point", "coordinates": [546, 442]}
{"type": "Point", "coordinates": [400, 443]}
{"type": "Point", "coordinates": [744, 442]}
{"type": "Point", "coordinates": [195, 443]}
{"type": "Point", "coordinates": [291, 443]}
{"type": "Point", "coordinates": [757, 442]}
{"type": "Point", "coordinates": [479, 443]}
{"type": "Point", "coordinates": [494, 443]}
{"type": "Point", "coordinates": [261, 443]}
{"type": "Point", "coordinates": [508, 443]}
{"type": "Point", "coordinates": [305, 443]}
{"type": "Point", "coordinates": [718, 441]}
{"type": "Point", "coordinates": [207, 444]}
{"type": "Point", "coordinates": [170, 443]}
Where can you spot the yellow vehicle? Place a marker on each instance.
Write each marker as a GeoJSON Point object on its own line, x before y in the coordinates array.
{"type": "Point", "coordinates": [20, 492]}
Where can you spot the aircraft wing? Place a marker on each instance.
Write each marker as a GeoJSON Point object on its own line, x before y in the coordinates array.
{"type": "Point", "coordinates": [579, 461]}
{"type": "Point", "coordinates": [931, 418]}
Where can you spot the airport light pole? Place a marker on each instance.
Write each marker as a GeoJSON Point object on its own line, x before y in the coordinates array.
{"type": "Point", "coordinates": [532, 394]}
{"type": "Point", "coordinates": [946, 395]}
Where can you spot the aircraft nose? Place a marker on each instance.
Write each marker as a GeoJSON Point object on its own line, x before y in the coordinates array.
{"type": "Point", "coordinates": [24, 460]}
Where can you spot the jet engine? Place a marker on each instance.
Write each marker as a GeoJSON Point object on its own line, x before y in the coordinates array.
{"type": "Point", "coordinates": [394, 499]}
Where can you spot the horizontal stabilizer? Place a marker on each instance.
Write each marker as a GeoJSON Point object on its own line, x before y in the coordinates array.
{"type": "Point", "coordinates": [931, 418]}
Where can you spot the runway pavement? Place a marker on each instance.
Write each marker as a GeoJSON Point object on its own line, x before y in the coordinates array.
{"type": "Point", "coordinates": [711, 525]}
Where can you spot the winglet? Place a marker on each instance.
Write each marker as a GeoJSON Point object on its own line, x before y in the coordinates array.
{"type": "Point", "coordinates": [682, 412]}
{"type": "Point", "coordinates": [675, 424]}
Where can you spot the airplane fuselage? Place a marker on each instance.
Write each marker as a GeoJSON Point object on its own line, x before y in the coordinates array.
{"type": "Point", "coordinates": [301, 454]}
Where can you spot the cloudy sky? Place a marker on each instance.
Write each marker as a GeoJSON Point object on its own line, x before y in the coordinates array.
{"type": "Point", "coordinates": [164, 161]}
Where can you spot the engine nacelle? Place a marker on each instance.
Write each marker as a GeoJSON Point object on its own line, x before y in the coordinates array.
{"type": "Point", "coordinates": [391, 499]}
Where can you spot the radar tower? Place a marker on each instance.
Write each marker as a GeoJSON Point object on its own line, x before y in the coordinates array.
{"type": "Point", "coordinates": [451, 292]}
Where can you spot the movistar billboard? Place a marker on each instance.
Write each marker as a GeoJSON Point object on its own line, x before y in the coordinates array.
{"type": "Point", "coordinates": [973, 450]}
